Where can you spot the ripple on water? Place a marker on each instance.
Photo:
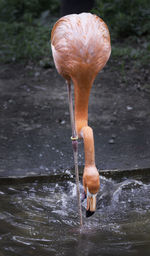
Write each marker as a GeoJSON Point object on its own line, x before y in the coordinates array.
{"type": "Point", "coordinates": [42, 218]}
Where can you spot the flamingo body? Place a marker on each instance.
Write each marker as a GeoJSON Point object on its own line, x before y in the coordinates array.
{"type": "Point", "coordinates": [80, 43]}
{"type": "Point", "coordinates": [81, 47]}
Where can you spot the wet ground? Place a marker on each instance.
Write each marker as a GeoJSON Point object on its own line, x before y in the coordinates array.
{"type": "Point", "coordinates": [35, 126]}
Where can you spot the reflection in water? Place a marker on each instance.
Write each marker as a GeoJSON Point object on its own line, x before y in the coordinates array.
{"type": "Point", "coordinates": [41, 219]}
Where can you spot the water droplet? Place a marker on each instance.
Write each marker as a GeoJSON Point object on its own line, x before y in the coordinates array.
{"type": "Point", "coordinates": [129, 108]}
{"type": "Point", "coordinates": [111, 141]}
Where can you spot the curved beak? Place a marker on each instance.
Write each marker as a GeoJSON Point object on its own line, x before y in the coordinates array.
{"type": "Point", "coordinates": [91, 204]}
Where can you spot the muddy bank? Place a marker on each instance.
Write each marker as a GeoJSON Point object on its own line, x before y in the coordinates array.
{"type": "Point", "coordinates": [35, 126]}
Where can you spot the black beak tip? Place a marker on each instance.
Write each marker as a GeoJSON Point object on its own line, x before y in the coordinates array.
{"type": "Point", "coordinates": [89, 213]}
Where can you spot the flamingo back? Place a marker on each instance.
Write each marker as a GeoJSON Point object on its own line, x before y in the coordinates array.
{"type": "Point", "coordinates": [80, 45]}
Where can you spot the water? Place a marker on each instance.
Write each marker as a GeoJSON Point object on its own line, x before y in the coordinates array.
{"type": "Point", "coordinates": [40, 218]}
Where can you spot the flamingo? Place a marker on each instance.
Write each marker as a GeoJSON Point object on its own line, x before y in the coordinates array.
{"type": "Point", "coordinates": [81, 47]}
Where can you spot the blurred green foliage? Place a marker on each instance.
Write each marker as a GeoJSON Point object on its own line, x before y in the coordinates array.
{"type": "Point", "coordinates": [26, 10]}
{"type": "Point", "coordinates": [20, 42]}
{"type": "Point", "coordinates": [125, 17]}
{"type": "Point", "coordinates": [24, 37]}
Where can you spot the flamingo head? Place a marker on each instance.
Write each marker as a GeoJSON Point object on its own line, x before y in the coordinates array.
{"type": "Point", "coordinates": [91, 185]}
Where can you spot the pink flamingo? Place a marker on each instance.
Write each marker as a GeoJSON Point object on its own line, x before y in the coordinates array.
{"type": "Point", "coordinates": [81, 47]}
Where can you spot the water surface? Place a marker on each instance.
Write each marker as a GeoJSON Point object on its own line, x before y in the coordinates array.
{"type": "Point", "coordinates": [40, 218]}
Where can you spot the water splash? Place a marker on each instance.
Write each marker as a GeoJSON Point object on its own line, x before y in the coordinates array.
{"type": "Point", "coordinates": [43, 216]}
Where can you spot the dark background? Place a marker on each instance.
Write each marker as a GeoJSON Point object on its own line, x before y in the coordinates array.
{"type": "Point", "coordinates": [25, 25]}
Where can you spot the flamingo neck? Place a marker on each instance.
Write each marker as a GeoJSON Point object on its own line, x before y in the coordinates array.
{"type": "Point", "coordinates": [87, 134]}
{"type": "Point", "coordinates": [82, 92]}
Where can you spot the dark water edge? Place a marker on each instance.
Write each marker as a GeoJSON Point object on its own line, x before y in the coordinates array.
{"type": "Point", "coordinates": [39, 217]}
{"type": "Point", "coordinates": [57, 175]}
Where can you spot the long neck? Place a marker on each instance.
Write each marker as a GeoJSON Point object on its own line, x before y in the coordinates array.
{"type": "Point", "coordinates": [82, 92]}
{"type": "Point", "coordinates": [89, 150]}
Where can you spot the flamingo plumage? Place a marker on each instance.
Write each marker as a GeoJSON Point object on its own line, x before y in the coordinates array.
{"type": "Point", "coordinates": [81, 48]}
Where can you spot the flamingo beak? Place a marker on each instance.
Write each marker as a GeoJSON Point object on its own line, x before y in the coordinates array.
{"type": "Point", "coordinates": [91, 204]}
